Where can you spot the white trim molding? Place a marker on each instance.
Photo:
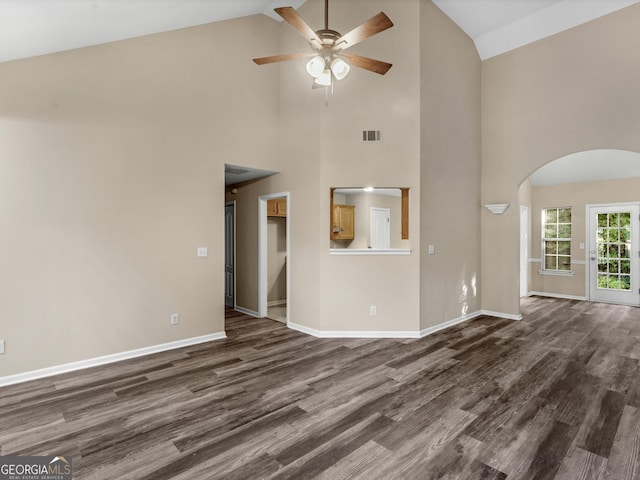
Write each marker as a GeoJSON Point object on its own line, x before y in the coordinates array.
{"type": "Point", "coordinates": [354, 333]}
{"type": "Point", "coordinates": [397, 334]}
{"type": "Point", "coordinates": [556, 295]}
{"type": "Point", "coordinates": [508, 316]}
{"type": "Point", "coordinates": [369, 251]}
{"type": "Point", "coordinates": [441, 326]}
{"type": "Point", "coordinates": [106, 359]}
{"type": "Point", "coordinates": [557, 273]}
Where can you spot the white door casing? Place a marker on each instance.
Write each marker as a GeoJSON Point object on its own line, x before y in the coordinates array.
{"type": "Point", "coordinates": [614, 246]}
{"type": "Point", "coordinates": [263, 282]}
{"type": "Point", "coordinates": [524, 251]}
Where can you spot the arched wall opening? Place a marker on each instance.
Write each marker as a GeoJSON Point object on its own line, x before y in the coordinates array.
{"type": "Point", "coordinates": [576, 185]}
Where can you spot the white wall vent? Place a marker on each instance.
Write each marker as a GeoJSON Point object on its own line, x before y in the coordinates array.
{"type": "Point", "coordinates": [371, 136]}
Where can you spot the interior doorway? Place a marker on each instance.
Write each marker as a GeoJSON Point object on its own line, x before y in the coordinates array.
{"type": "Point", "coordinates": [274, 260]}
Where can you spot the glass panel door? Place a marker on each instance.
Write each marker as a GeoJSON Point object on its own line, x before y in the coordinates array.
{"type": "Point", "coordinates": [613, 255]}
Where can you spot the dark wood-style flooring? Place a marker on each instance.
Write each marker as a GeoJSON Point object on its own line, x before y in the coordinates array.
{"type": "Point", "coordinates": [555, 396]}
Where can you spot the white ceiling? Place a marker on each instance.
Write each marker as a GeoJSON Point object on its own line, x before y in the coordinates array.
{"type": "Point", "coordinates": [35, 27]}
{"type": "Point", "coordinates": [235, 174]}
{"type": "Point", "coordinates": [497, 26]}
{"type": "Point", "coordinates": [590, 166]}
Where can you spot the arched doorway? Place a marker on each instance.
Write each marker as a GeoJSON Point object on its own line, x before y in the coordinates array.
{"type": "Point", "coordinates": [583, 225]}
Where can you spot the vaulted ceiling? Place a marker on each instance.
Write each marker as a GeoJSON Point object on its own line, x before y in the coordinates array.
{"type": "Point", "coordinates": [36, 27]}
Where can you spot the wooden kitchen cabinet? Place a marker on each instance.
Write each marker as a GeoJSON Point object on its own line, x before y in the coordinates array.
{"type": "Point", "coordinates": [277, 207]}
{"type": "Point", "coordinates": [343, 222]}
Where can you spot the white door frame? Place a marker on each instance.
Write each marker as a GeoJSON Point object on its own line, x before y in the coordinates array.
{"type": "Point", "coordinates": [635, 249]}
{"type": "Point", "coordinates": [262, 253]}
{"type": "Point", "coordinates": [524, 250]}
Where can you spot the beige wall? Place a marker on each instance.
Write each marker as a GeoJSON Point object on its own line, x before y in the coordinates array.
{"type": "Point", "coordinates": [367, 101]}
{"type": "Point", "coordinates": [574, 91]}
{"type": "Point", "coordinates": [577, 196]}
{"type": "Point", "coordinates": [450, 170]}
{"type": "Point", "coordinates": [111, 174]}
{"type": "Point", "coordinates": [431, 133]}
{"type": "Point", "coordinates": [112, 156]}
{"type": "Point", "coordinates": [321, 147]}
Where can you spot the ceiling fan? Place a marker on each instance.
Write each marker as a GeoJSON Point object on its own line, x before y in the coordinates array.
{"type": "Point", "coordinates": [328, 59]}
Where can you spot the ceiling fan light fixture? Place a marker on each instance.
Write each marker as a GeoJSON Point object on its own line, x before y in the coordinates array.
{"type": "Point", "coordinates": [340, 68]}
{"type": "Point", "coordinates": [316, 66]}
{"type": "Point", "coordinates": [324, 79]}
{"type": "Point", "coordinates": [327, 60]}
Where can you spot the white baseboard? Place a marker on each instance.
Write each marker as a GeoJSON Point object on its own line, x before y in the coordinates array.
{"type": "Point", "coordinates": [116, 357]}
{"type": "Point", "coordinates": [508, 316]}
{"type": "Point", "coordinates": [393, 333]}
{"type": "Point", "coordinates": [246, 311]}
{"type": "Point", "coordinates": [450, 323]}
{"type": "Point", "coordinates": [354, 333]}
{"type": "Point", "coordinates": [556, 295]}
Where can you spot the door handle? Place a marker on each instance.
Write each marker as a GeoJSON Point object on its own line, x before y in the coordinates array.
{"type": "Point", "coordinates": [593, 258]}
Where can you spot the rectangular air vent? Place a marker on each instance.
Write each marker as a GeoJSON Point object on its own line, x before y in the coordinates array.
{"type": "Point", "coordinates": [371, 136]}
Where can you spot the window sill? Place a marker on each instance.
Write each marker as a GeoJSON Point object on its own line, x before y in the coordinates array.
{"type": "Point", "coordinates": [557, 273]}
{"type": "Point", "coordinates": [369, 251]}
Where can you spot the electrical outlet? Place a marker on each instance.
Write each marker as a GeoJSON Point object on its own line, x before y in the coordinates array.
{"type": "Point", "coordinates": [175, 319]}
{"type": "Point", "coordinates": [373, 310]}
{"type": "Point", "coordinates": [1, 347]}
{"type": "Point", "coordinates": [202, 251]}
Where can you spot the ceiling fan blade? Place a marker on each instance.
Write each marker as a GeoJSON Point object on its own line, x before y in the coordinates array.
{"type": "Point", "coordinates": [374, 25]}
{"type": "Point", "coordinates": [281, 58]}
{"type": "Point", "coordinates": [294, 19]}
{"type": "Point", "coordinates": [370, 64]}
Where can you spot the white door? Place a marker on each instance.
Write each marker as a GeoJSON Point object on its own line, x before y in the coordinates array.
{"type": "Point", "coordinates": [380, 228]}
{"type": "Point", "coordinates": [613, 254]}
{"type": "Point", "coordinates": [229, 254]}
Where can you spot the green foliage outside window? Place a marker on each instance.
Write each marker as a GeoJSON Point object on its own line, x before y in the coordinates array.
{"type": "Point", "coordinates": [614, 250]}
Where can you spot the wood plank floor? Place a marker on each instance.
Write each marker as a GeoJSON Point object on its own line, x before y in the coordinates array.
{"type": "Point", "coordinates": [555, 396]}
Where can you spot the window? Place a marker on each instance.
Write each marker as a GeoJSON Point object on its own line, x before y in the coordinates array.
{"type": "Point", "coordinates": [556, 239]}
{"type": "Point", "coordinates": [614, 250]}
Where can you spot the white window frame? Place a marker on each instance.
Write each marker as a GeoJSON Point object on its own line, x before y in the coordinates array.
{"type": "Point", "coordinates": [543, 254]}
